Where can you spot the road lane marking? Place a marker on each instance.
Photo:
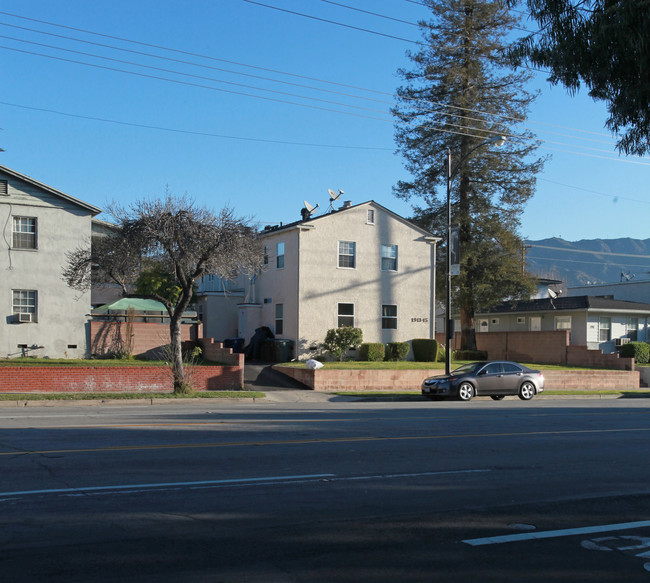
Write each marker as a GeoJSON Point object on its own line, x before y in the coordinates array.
{"type": "Point", "coordinates": [316, 441]}
{"type": "Point", "coordinates": [271, 480]}
{"type": "Point", "coordinates": [510, 538]}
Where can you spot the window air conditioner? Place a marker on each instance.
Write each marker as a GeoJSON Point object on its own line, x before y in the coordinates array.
{"type": "Point", "coordinates": [25, 317]}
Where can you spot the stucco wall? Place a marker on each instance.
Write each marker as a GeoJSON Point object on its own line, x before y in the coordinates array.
{"type": "Point", "coordinates": [62, 313]}
{"type": "Point", "coordinates": [323, 285]}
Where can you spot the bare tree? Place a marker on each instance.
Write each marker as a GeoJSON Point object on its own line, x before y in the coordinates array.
{"type": "Point", "coordinates": [173, 242]}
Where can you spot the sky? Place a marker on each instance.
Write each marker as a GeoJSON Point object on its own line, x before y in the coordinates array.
{"type": "Point", "coordinates": [278, 101]}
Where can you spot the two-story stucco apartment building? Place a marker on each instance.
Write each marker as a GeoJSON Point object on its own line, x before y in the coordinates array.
{"type": "Point", "coordinates": [42, 316]}
{"type": "Point", "coordinates": [361, 266]}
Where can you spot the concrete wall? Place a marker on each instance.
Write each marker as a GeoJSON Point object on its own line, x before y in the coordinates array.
{"type": "Point", "coordinates": [60, 328]}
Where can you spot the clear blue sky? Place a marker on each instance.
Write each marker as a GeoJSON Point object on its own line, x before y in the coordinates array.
{"type": "Point", "coordinates": [263, 152]}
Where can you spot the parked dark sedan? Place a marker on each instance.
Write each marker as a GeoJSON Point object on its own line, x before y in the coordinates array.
{"type": "Point", "coordinates": [495, 378]}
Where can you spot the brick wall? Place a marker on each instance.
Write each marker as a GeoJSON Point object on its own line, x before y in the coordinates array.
{"type": "Point", "coordinates": [113, 379]}
{"type": "Point", "coordinates": [377, 380]}
{"type": "Point", "coordinates": [149, 338]}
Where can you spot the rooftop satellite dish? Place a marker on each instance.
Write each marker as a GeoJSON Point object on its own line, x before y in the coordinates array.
{"type": "Point", "coordinates": [308, 211]}
{"type": "Point", "coordinates": [552, 294]}
{"type": "Point", "coordinates": [334, 196]}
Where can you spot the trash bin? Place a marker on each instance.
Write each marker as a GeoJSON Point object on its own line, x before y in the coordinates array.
{"type": "Point", "coordinates": [276, 350]}
{"type": "Point", "coordinates": [237, 344]}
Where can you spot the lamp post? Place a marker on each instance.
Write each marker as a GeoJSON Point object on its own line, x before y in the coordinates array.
{"type": "Point", "coordinates": [498, 141]}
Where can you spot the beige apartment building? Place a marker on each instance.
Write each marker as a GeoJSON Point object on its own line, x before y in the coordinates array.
{"type": "Point", "coordinates": [361, 265]}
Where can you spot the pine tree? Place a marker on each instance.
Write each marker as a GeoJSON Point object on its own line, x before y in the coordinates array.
{"type": "Point", "coordinates": [460, 93]}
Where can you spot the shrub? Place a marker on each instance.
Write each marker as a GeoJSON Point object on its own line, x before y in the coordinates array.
{"type": "Point", "coordinates": [338, 340]}
{"type": "Point", "coordinates": [442, 353]}
{"type": "Point", "coordinates": [372, 352]}
{"type": "Point", "coordinates": [471, 355]}
{"type": "Point", "coordinates": [397, 350]}
{"type": "Point", "coordinates": [640, 351]}
{"type": "Point", "coordinates": [425, 349]}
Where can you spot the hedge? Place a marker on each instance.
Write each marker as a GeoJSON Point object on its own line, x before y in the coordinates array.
{"type": "Point", "coordinates": [640, 351]}
{"type": "Point", "coordinates": [425, 349]}
{"type": "Point", "coordinates": [372, 352]}
{"type": "Point", "coordinates": [397, 350]}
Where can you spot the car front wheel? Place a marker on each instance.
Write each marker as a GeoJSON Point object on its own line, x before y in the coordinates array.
{"type": "Point", "coordinates": [465, 391]}
{"type": "Point", "coordinates": [527, 391]}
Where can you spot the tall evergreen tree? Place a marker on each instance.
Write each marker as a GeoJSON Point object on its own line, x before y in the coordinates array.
{"type": "Point", "coordinates": [460, 93]}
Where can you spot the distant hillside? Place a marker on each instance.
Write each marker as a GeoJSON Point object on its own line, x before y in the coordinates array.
{"type": "Point", "coordinates": [589, 260]}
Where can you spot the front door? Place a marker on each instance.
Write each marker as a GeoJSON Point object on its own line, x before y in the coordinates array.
{"type": "Point", "coordinates": [535, 324]}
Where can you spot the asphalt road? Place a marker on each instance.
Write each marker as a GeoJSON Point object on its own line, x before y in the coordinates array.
{"type": "Point", "coordinates": [327, 491]}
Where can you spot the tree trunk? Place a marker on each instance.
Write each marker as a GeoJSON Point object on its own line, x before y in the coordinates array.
{"type": "Point", "coordinates": [467, 332]}
{"type": "Point", "coordinates": [180, 384]}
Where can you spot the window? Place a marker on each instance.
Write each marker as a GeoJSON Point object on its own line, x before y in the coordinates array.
{"type": "Point", "coordinates": [24, 235]}
{"type": "Point", "coordinates": [279, 258]}
{"type": "Point", "coordinates": [389, 317]}
{"type": "Point", "coordinates": [24, 305]}
{"type": "Point", "coordinates": [346, 315]}
{"type": "Point", "coordinates": [265, 261]}
{"type": "Point", "coordinates": [279, 319]}
{"type": "Point", "coordinates": [370, 220]}
{"type": "Point", "coordinates": [389, 257]}
{"type": "Point", "coordinates": [632, 329]}
{"type": "Point", "coordinates": [347, 254]}
{"type": "Point", "coordinates": [563, 322]}
{"type": "Point", "coordinates": [4, 191]}
{"type": "Point", "coordinates": [604, 329]}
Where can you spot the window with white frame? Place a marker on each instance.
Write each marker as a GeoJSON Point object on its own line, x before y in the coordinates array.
{"type": "Point", "coordinates": [24, 233]}
{"type": "Point", "coordinates": [24, 305]}
{"type": "Point", "coordinates": [370, 218]}
{"type": "Point", "coordinates": [563, 322]}
{"type": "Point", "coordinates": [279, 319]}
{"type": "Point", "coordinates": [389, 257]}
{"type": "Point", "coordinates": [347, 254]}
{"type": "Point", "coordinates": [389, 317]}
{"type": "Point", "coordinates": [279, 257]}
{"type": "Point", "coordinates": [345, 315]}
{"type": "Point", "coordinates": [632, 329]}
{"type": "Point", "coordinates": [604, 329]}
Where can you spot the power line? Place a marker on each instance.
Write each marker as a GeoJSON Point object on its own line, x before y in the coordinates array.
{"type": "Point", "coordinates": [371, 13]}
{"type": "Point", "coordinates": [332, 22]}
{"type": "Point", "coordinates": [190, 132]}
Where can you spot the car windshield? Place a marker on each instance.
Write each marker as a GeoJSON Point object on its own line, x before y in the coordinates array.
{"type": "Point", "coordinates": [468, 368]}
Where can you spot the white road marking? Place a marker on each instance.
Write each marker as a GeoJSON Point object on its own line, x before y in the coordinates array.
{"type": "Point", "coordinates": [272, 480]}
{"type": "Point", "coordinates": [495, 540]}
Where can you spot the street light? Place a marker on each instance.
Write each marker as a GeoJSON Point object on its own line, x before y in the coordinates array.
{"type": "Point", "coordinates": [498, 141]}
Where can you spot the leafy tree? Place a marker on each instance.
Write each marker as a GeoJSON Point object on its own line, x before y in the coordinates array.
{"type": "Point", "coordinates": [338, 340]}
{"type": "Point", "coordinates": [177, 242]}
{"type": "Point", "coordinates": [460, 93]}
{"type": "Point", "coordinates": [603, 44]}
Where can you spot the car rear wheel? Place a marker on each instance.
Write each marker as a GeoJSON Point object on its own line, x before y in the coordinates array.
{"type": "Point", "coordinates": [465, 391]}
{"type": "Point", "coordinates": [526, 391]}
{"type": "Point", "coordinates": [497, 397]}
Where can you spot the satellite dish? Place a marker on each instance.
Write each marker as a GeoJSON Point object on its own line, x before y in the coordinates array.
{"type": "Point", "coordinates": [333, 195]}
{"type": "Point", "coordinates": [552, 294]}
{"type": "Point", "coordinates": [308, 211]}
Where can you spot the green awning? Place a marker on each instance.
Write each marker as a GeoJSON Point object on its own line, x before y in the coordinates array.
{"type": "Point", "coordinates": [138, 304]}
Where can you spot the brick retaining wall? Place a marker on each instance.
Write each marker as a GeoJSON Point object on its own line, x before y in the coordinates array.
{"type": "Point", "coordinates": [410, 380]}
{"type": "Point", "coordinates": [113, 379]}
